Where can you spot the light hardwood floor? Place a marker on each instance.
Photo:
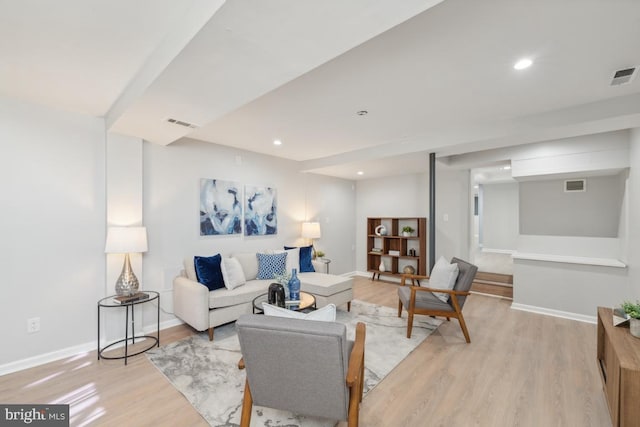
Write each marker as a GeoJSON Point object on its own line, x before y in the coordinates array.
{"type": "Point", "coordinates": [521, 369]}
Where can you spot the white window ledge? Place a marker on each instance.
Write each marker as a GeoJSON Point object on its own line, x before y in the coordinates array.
{"type": "Point", "coordinates": [603, 262]}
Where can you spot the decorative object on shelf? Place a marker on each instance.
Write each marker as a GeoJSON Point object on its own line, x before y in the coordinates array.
{"type": "Point", "coordinates": [381, 230]}
{"type": "Point", "coordinates": [394, 253]}
{"type": "Point", "coordinates": [260, 211]}
{"type": "Point", "coordinates": [409, 269]}
{"type": "Point", "coordinates": [412, 252]}
{"type": "Point", "coordinates": [311, 230]}
{"type": "Point", "coordinates": [376, 250]}
{"type": "Point", "coordinates": [126, 240]}
{"type": "Point", "coordinates": [381, 267]}
{"type": "Point", "coordinates": [320, 254]}
{"type": "Point", "coordinates": [407, 231]}
{"type": "Point", "coordinates": [633, 311]}
{"type": "Point", "coordinates": [294, 286]}
{"type": "Point", "coordinates": [276, 295]}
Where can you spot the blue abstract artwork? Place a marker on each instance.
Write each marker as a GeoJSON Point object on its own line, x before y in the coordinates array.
{"type": "Point", "coordinates": [220, 208]}
{"type": "Point", "coordinates": [260, 211]}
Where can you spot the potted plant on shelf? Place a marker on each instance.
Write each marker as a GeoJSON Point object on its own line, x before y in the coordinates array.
{"type": "Point", "coordinates": [319, 254]}
{"type": "Point", "coordinates": [406, 231]}
{"type": "Point", "coordinates": [633, 311]}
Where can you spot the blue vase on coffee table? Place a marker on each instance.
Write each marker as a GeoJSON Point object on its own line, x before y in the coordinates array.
{"type": "Point", "coordinates": [294, 286]}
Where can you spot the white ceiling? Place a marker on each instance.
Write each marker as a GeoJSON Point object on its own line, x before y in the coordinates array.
{"type": "Point", "coordinates": [434, 76]}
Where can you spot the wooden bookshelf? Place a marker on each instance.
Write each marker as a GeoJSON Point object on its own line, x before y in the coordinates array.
{"type": "Point", "coordinates": [400, 246]}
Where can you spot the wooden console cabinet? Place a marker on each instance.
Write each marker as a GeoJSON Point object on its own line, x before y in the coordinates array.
{"type": "Point", "coordinates": [619, 366]}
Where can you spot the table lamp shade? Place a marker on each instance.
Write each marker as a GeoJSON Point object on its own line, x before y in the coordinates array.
{"type": "Point", "coordinates": [311, 230]}
{"type": "Point", "coordinates": [125, 240]}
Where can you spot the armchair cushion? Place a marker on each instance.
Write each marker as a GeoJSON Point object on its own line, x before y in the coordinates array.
{"type": "Point", "coordinates": [424, 300]}
{"type": "Point", "coordinates": [443, 276]}
{"type": "Point", "coordinates": [271, 264]}
{"type": "Point", "coordinates": [324, 314]}
{"type": "Point", "coordinates": [209, 271]}
{"type": "Point", "coordinates": [232, 273]}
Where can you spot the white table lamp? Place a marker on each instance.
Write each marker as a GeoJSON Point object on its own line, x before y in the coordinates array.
{"type": "Point", "coordinates": [311, 230]}
{"type": "Point", "coordinates": [126, 240]}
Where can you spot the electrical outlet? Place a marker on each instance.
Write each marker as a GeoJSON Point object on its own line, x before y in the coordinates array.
{"type": "Point", "coordinates": [33, 325]}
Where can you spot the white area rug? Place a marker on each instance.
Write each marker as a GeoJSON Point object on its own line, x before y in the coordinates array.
{"type": "Point", "coordinates": [207, 373]}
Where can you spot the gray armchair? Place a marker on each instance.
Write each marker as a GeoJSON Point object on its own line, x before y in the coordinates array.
{"type": "Point", "coordinates": [303, 366]}
{"type": "Point", "coordinates": [421, 300]}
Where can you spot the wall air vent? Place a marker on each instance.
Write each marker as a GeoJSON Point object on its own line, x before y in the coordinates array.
{"type": "Point", "coordinates": [625, 76]}
{"type": "Point", "coordinates": [182, 123]}
{"type": "Point", "coordinates": [575, 186]}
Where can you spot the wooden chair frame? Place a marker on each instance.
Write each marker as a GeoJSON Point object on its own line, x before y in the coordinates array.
{"type": "Point", "coordinates": [412, 309]}
{"type": "Point", "coordinates": [354, 381]}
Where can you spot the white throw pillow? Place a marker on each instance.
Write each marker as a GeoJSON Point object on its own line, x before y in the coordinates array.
{"type": "Point", "coordinates": [443, 276]}
{"type": "Point", "coordinates": [232, 273]}
{"type": "Point", "coordinates": [324, 314]}
{"type": "Point", "coordinates": [249, 263]}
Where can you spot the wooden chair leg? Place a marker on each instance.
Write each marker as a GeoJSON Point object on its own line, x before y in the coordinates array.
{"type": "Point", "coordinates": [463, 326]}
{"type": "Point", "coordinates": [247, 404]}
{"type": "Point", "coordinates": [409, 324]}
{"type": "Point", "coordinates": [354, 407]}
{"type": "Point", "coordinates": [399, 308]}
{"type": "Point", "coordinates": [349, 306]}
{"type": "Point", "coordinates": [211, 334]}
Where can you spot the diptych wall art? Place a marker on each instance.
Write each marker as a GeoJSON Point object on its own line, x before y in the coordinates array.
{"type": "Point", "coordinates": [220, 208]}
{"type": "Point", "coordinates": [260, 211]}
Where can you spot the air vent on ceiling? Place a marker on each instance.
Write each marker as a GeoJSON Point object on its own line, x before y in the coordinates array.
{"type": "Point", "coordinates": [182, 123]}
{"type": "Point", "coordinates": [575, 185]}
{"type": "Point", "coordinates": [622, 77]}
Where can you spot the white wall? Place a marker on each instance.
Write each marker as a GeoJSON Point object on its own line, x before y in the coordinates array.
{"type": "Point", "coordinates": [171, 201]}
{"type": "Point", "coordinates": [453, 208]}
{"type": "Point", "coordinates": [396, 196]}
{"type": "Point", "coordinates": [546, 209]}
{"type": "Point", "coordinates": [408, 195]}
{"type": "Point", "coordinates": [633, 242]}
{"type": "Point", "coordinates": [500, 216]}
{"type": "Point", "coordinates": [53, 216]}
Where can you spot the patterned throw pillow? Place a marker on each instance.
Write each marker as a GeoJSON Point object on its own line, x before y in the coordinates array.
{"type": "Point", "coordinates": [271, 264]}
{"type": "Point", "coordinates": [306, 255]}
{"type": "Point", "coordinates": [209, 271]}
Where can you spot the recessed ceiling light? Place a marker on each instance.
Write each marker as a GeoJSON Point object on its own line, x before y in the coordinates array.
{"type": "Point", "coordinates": [277, 142]}
{"type": "Point", "coordinates": [522, 64]}
{"type": "Point", "coordinates": [506, 168]}
{"type": "Point", "coordinates": [362, 113]}
{"type": "Point", "coordinates": [360, 173]}
{"type": "Point", "coordinates": [475, 186]}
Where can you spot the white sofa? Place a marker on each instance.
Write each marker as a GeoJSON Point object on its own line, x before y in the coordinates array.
{"type": "Point", "coordinates": [195, 305]}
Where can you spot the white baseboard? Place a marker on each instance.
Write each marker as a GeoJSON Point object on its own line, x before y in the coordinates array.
{"type": "Point", "coordinates": [41, 359]}
{"type": "Point", "coordinates": [498, 251]}
{"type": "Point", "coordinates": [554, 313]}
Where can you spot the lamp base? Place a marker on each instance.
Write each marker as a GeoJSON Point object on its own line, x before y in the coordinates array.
{"type": "Point", "coordinates": [127, 284]}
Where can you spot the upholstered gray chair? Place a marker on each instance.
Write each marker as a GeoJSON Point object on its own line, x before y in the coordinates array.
{"type": "Point", "coordinates": [421, 300]}
{"type": "Point", "coordinates": [304, 366]}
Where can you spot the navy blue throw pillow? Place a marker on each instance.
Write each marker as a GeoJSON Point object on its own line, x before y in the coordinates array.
{"type": "Point", "coordinates": [209, 271]}
{"type": "Point", "coordinates": [306, 254]}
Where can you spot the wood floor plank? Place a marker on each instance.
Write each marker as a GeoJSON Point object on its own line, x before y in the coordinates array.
{"type": "Point", "coordinates": [521, 369]}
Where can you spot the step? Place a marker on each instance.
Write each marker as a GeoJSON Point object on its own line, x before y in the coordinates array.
{"type": "Point", "coordinates": [494, 278]}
